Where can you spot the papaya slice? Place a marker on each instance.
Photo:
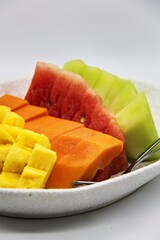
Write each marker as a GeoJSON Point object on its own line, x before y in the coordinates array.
{"type": "Point", "coordinates": [13, 102]}
{"type": "Point", "coordinates": [65, 142]}
{"type": "Point", "coordinates": [29, 112]}
{"type": "Point", "coordinates": [82, 163]}
{"type": "Point", "coordinates": [40, 122]}
{"type": "Point", "coordinates": [59, 127]}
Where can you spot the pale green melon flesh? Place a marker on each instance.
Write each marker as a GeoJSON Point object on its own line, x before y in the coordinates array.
{"type": "Point", "coordinates": [75, 66]}
{"type": "Point", "coordinates": [137, 123]}
{"type": "Point", "coordinates": [104, 83]}
{"type": "Point", "coordinates": [91, 75]}
{"type": "Point", "coordinates": [128, 93]}
{"type": "Point", "coordinates": [115, 90]}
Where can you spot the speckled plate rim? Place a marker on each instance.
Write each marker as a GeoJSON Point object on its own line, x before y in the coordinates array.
{"type": "Point", "coordinates": [47, 203]}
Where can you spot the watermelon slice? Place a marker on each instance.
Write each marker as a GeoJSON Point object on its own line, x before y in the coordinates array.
{"type": "Point", "coordinates": [89, 102]}
{"type": "Point", "coordinates": [80, 103]}
{"type": "Point", "coordinates": [74, 97]}
{"type": "Point", "coordinates": [41, 85]}
{"type": "Point", "coordinates": [58, 92]}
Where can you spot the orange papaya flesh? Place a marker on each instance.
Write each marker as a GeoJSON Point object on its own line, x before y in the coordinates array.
{"type": "Point", "coordinates": [12, 102]}
{"type": "Point", "coordinates": [40, 122]}
{"type": "Point", "coordinates": [58, 128]}
{"type": "Point", "coordinates": [84, 160]}
{"type": "Point", "coordinates": [65, 142]}
{"type": "Point", "coordinates": [30, 112]}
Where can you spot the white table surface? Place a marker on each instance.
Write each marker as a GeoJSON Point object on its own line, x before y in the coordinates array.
{"type": "Point", "coordinates": [121, 36]}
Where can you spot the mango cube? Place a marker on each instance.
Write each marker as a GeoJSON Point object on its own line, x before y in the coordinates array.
{"type": "Point", "coordinates": [42, 158]}
{"type": "Point", "coordinates": [28, 139]}
{"type": "Point", "coordinates": [13, 119]}
{"type": "Point", "coordinates": [4, 149]}
{"type": "Point", "coordinates": [5, 136]}
{"type": "Point", "coordinates": [9, 180]}
{"type": "Point", "coordinates": [12, 130]}
{"type": "Point", "coordinates": [32, 178]}
{"type": "Point", "coordinates": [16, 159]}
{"type": "Point", "coordinates": [3, 111]}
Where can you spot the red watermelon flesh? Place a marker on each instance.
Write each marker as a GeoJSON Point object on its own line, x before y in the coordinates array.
{"type": "Point", "coordinates": [69, 97]}
{"type": "Point", "coordinates": [74, 98]}
{"type": "Point", "coordinates": [100, 118]}
{"type": "Point", "coordinates": [90, 100]}
{"type": "Point", "coordinates": [42, 82]}
{"type": "Point", "coordinates": [59, 92]}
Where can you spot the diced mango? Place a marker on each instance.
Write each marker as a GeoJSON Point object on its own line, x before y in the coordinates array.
{"type": "Point", "coordinates": [9, 180]}
{"type": "Point", "coordinates": [28, 139]}
{"type": "Point", "coordinates": [5, 136]}
{"type": "Point", "coordinates": [16, 159]}
{"type": "Point", "coordinates": [12, 130]}
{"type": "Point", "coordinates": [25, 156]}
{"type": "Point", "coordinates": [4, 149]}
{"type": "Point", "coordinates": [3, 111]}
{"type": "Point", "coordinates": [42, 158]}
{"type": "Point", "coordinates": [32, 178]}
{"type": "Point", "coordinates": [13, 119]}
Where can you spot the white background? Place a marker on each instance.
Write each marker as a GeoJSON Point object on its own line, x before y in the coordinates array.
{"type": "Point", "coordinates": [120, 36]}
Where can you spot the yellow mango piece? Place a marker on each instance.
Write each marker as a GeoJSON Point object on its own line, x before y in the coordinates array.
{"type": "Point", "coordinates": [4, 149]}
{"type": "Point", "coordinates": [13, 119]}
{"type": "Point", "coordinates": [42, 158]}
{"type": "Point", "coordinates": [5, 136]}
{"type": "Point", "coordinates": [12, 130]}
{"type": "Point", "coordinates": [9, 180]}
{"type": "Point", "coordinates": [3, 111]}
{"type": "Point", "coordinates": [16, 159]}
{"type": "Point", "coordinates": [28, 139]}
{"type": "Point", "coordinates": [32, 178]}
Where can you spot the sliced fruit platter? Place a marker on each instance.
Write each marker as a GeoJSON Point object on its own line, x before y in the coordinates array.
{"type": "Point", "coordinates": [78, 122]}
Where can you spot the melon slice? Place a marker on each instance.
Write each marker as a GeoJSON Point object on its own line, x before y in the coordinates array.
{"type": "Point", "coordinates": [91, 75]}
{"type": "Point", "coordinates": [104, 83]}
{"type": "Point", "coordinates": [79, 100]}
{"type": "Point", "coordinates": [128, 93]}
{"type": "Point", "coordinates": [137, 123]}
{"type": "Point", "coordinates": [116, 88]}
{"type": "Point", "coordinates": [75, 66]}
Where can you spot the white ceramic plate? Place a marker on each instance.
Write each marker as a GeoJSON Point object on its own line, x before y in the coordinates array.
{"type": "Point", "coordinates": [55, 203]}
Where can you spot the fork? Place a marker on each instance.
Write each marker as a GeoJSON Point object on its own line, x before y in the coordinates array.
{"type": "Point", "coordinates": [146, 154]}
